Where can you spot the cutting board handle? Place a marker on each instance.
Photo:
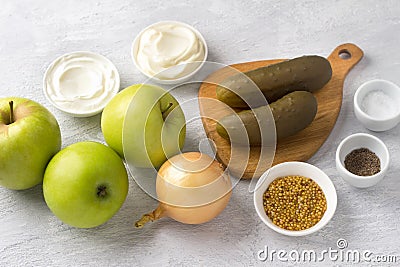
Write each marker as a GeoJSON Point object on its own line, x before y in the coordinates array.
{"type": "Point", "coordinates": [344, 57]}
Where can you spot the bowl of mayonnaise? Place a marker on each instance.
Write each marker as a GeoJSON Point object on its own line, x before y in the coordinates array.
{"type": "Point", "coordinates": [81, 83]}
{"type": "Point", "coordinates": [169, 52]}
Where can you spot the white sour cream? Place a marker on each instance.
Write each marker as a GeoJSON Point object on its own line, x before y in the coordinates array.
{"type": "Point", "coordinates": [164, 45]}
{"type": "Point", "coordinates": [81, 83]}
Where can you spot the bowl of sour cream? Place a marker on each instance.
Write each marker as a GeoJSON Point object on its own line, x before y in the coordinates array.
{"type": "Point", "coordinates": [169, 52]}
{"type": "Point", "coordinates": [81, 83]}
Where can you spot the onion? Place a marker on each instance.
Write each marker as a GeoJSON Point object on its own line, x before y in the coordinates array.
{"type": "Point", "coordinates": [192, 188]}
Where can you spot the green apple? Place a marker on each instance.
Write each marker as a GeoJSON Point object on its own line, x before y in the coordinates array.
{"type": "Point", "coordinates": [85, 184]}
{"type": "Point", "coordinates": [29, 138]}
{"type": "Point", "coordinates": [145, 124]}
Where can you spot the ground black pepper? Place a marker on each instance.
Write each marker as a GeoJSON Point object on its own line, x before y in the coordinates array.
{"type": "Point", "coordinates": [362, 162]}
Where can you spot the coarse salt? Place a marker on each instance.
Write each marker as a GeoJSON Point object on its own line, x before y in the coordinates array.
{"type": "Point", "coordinates": [379, 105]}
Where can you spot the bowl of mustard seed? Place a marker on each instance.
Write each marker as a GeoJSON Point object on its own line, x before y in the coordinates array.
{"type": "Point", "coordinates": [295, 198]}
{"type": "Point", "coordinates": [362, 160]}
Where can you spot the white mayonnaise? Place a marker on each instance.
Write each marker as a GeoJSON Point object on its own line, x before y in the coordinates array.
{"type": "Point", "coordinates": [167, 44]}
{"type": "Point", "coordinates": [81, 83]}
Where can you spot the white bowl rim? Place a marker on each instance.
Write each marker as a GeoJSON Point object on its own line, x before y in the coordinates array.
{"type": "Point", "coordinates": [328, 216]}
{"type": "Point", "coordinates": [358, 177]}
{"type": "Point", "coordinates": [362, 112]}
{"type": "Point", "coordinates": [88, 113]}
{"type": "Point", "coordinates": [180, 79]}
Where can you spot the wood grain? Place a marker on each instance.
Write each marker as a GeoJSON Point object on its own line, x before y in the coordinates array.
{"type": "Point", "coordinates": [299, 147]}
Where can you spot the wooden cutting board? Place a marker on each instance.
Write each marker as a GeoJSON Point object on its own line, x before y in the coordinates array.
{"type": "Point", "coordinates": [300, 147]}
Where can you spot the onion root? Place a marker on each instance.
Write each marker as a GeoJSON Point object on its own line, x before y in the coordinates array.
{"type": "Point", "coordinates": [151, 216]}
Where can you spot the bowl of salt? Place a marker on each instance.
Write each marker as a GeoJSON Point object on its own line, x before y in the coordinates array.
{"type": "Point", "coordinates": [376, 105]}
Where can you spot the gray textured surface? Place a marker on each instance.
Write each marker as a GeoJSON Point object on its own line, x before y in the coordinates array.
{"type": "Point", "coordinates": [33, 33]}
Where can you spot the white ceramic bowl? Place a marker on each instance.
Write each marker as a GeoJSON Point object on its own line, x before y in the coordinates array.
{"type": "Point", "coordinates": [75, 107]}
{"type": "Point", "coordinates": [302, 169]}
{"type": "Point", "coordinates": [169, 81]}
{"type": "Point", "coordinates": [375, 123]}
{"type": "Point", "coordinates": [362, 140]}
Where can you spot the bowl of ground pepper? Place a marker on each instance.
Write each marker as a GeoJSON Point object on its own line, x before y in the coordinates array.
{"type": "Point", "coordinates": [295, 198]}
{"type": "Point", "coordinates": [362, 160]}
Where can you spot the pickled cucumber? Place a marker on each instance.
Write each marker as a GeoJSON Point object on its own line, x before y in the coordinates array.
{"type": "Point", "coordinates": [292, 113]}
{"type": "Point", "coordinates": [307, 73]}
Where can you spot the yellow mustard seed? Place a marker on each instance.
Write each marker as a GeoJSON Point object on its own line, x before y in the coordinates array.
{"type": "Point", "coordinates": [294, 202]}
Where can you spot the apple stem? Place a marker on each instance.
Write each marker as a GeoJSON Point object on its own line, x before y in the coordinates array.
{"type": "Point", "coordinates": [11, 103]}
{"type": "Point", "coordinates": [165, 111]}
{"type": "Point", "coordinates": [151, 216]}
{"type": "Point", "coordinates": [169, 106]}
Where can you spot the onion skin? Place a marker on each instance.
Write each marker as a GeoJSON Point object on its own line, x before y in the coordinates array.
{"type": "Point", "coordinates": [197, 215]}
{"type": "Point", "coordinates": [191, 197]}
